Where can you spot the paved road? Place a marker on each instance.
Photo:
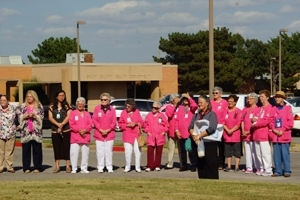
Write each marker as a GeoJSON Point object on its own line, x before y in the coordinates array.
{"type": "Point", "coordinates": [119, 161]}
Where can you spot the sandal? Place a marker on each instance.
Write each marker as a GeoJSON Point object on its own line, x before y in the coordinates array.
{"type": "Point", "coordinates": [56, 170]}
{"type": "Point", "coordinates": [68, 169]}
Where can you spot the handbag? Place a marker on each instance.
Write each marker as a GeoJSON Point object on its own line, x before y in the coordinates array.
{"type": "Point", "coordinates": [188, 145]}
{"type": "Point", "coordinates": [142, 138]}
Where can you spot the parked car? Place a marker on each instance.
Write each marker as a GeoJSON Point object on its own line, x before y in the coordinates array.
{"type": "Point", "coordinates": [143, 105]}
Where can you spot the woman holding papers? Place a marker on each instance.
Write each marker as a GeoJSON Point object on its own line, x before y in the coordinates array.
{"type": "Point", "coordinates": [207, 166]}
{"type": "Point", "coordinates": [232, 133]}
{"type": "Point", "coordinates": [156, 126]}
{"type": "Point", "coordinates": [182, 121]}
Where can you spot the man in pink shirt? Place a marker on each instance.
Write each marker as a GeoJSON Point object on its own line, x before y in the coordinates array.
{"type": "Point", "coordinates": [261, 126]}
{"type": "Point", "coordinates": [104, 120]}
{"type": "Point", "coordinates": [219, 106]}
{"type": "Point", "coordinates": [172, 139]}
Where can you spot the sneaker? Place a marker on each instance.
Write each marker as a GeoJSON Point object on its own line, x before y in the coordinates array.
{"type": "Point", "coordinates": [73, 171]}
{"type": "Point", "coordinates": [147, 169]}
{"type": "Point", "coordinates": [248, 171]}
{"type": "Point", "coordinates": [36, 171]}
{"type": "Point", "coordinates": [84, 171]}
{"type": "Point", "coordinates": [138, 170]}
{"type": "Point", "coordinates": [157, 169]}
{"type": "Point", "coordinates": [266, 173]}
{"type": "Point", "coordinates": [126, 170]}
{"type": "Point", "coordinates": [110, 171]}
{"type": "Point", "coordinates": [227, 169]}
{"type": "Point", "coordinates": [100, 170]}
{"type": "Point", "coordinates": [258, 173]}
{"type": "Point", "coordinates": [237, 170]}
{"type": "Point", "coordinates": [168, 166]}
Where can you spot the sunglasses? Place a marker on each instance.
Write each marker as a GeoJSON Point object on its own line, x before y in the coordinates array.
{"type": "Point", "coordinates": [215, 92]}
{"type": "Point", "coordinates": [104, 99]}
{"type": "Point", "coordinates": [156, 108]}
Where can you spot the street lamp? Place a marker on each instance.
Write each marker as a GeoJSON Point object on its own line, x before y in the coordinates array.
{"type": "Point", "coordinates": [280, 31]}
{"type": "Point", "coordinates": [78, 57]}
{"type": "Point", "coordinates": [271, 75]}
{"type": "Point", "coordinates": [211, 48]}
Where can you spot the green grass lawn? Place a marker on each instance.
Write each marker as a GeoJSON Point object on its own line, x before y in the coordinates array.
{"type": "Point", "coordinates": [144, 188]}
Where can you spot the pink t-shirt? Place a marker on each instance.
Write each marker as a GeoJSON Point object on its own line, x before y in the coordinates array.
{"type": "Point", "coordinates": [220, 109]}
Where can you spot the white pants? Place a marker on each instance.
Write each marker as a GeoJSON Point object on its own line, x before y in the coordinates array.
{"type": "Point", "coordinates": [74, 151]}
{"type": "Point", "coordinates": [263, 152]}
{"type": "Point", "coordinates": [251, 157]}
{"type": "Point", "coordinates": [128, 153]}
{"type": "Point", "coordinates": [104, 150]}
{"type": "Point", "coordinates": [172, 142]}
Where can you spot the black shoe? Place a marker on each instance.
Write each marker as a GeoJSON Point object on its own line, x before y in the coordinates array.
{"type": "Point", "coordinates": [193, 169]}
{"type": "Point", "coordinates": [182, 169]}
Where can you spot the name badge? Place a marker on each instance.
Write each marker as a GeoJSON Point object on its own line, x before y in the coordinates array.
{"type": "Point", "coordinates": [226, 116]}
{"type": "Point", "coordinates": [219, 107]}
{"type": "Point", "coordinates": [99, 114]}
{"type": "Point", "coordinates": [175, 116]}
{"type": "Point", "coordinates": [262, 114]}
{"type": "Point", "coordinates": [128, 120]}
{"type": "Point", "coordinates": [76, 118]}
{"type": "Point", "coordinates": [57, 116]}
{"type": "Point", "coordinates": [251, 115]}
{"type": "Point", "coordinates": [186, 116]}
{"type": "Point", "coordinates": [159, 120]}
{"type": "Point", "coordinates": [278, 123]}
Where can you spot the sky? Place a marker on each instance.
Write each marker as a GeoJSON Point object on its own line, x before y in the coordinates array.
{"type": "Point", "coordinates": [129, 31]}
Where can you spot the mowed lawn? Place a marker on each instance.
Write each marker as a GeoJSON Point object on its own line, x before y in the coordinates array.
{"type": "Point", "coordinates": [143, 188]}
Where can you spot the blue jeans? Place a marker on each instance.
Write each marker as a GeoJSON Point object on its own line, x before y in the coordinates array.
{"type": "Point", "coordinates": [282, 158]}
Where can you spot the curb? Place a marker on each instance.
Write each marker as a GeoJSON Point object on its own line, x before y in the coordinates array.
{"type": "Point", "coordinates": [115, 148]}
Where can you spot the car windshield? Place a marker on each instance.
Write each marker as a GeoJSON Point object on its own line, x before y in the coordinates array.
{"type": "Point", "coordinates": [295, 102]}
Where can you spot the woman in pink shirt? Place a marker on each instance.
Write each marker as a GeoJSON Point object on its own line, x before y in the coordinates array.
{"type": "Point", "coordinates": [247, 132]}
{"type": "Point", "coordinates": [130, 122]}
{"type": "Point", "coordinates": [104, 120]}
{"type": "Point", "coordinates": [184, 115]}
{"type": "Point", "coordinates": [156, 127]}
{"type": "Point", "coordinates": [232, 133]}
{"type": "Point", "coordinates": [80, 124]}
{"type": "Point", "coordinates": [219, 106]}
{"type": "Point", "coordinates": [261, 127]}
{"type": "Point", "coordinates": [281, 124]}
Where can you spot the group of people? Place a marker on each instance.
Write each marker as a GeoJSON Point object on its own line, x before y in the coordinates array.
{"type": "Point", "coordinates": [256, 127]}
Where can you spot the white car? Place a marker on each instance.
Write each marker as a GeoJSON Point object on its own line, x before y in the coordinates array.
{"type": "Point", "coordinates": [143, 105]}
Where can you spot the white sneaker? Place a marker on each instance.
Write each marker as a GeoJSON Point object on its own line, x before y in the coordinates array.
{"type": "Point", "coordinates": [258, 173]}
{"type": "Point", "coordinates": [266, 173]}
{"type": "Point", "coordinates": [147, 170]}
{"type": "Point", "coordinates": [138, 170]}
{"type": "Point", "coordinates": [157, 169]}
{"type": "Point", "coordinates": [84, 171]}
{"type": "Point", "coordinates": [126, 170]}
{"type": "Point", "coordinates": [74, 171]}
{"type": "Point", "coordinates": [110, 171]}
{"type": "Point", "coordinates": [100, 170]}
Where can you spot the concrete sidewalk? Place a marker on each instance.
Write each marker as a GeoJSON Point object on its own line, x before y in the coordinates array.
{"type": "Point", "coordinates": [119, 161]}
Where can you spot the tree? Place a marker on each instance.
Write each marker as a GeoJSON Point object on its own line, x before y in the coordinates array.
{"type": "Point", "coordinates": [190, 53]}
{"type": "Point", "coordinates": [54, 50]}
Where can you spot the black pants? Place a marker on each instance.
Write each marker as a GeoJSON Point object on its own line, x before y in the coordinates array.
{"type": "Point", "coordinates": [36, 152]}
{"type": "Point", "coordinates": [183, 154]}
{"type": "Point", "coordinates": [207, 166]}
{"type": "Point", "coordinates": [221, 151]}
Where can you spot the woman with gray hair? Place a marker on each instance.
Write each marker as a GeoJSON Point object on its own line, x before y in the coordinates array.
{"type": "Point", "coordinates": [219, 106]}
{"type": "Point", "coordinates": [249, 112]}
{"type": "Point", "coordinates": [80, 124]}
{"type": "Point", "coordinates": [104, 120]}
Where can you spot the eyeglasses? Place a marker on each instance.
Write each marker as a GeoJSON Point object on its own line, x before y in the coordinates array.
{"type": "Point", "coordinates": [156, 108]}
{"type": "Point", "coordinates": [215, 92]}
{"type": "Point", "coordinates": [104, 99]}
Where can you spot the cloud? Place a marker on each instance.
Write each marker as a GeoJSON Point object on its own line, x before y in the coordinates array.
{"type": "Point", "coordinates": [53, 18]}
{"type": "Point", "coordinates": [177, 18]}
{"type": "Point", "coordinates": [235, 3]}
{"type": "Point", "coordinates": [6, 12]}
{"type": "Point", "coordinates": [294, 26]}
{"type": "Point", "coordinates": [56, 31]}
{"type": "Point", "coordinates": [288, 9]}
{"type": "Point", "coordinates": [250, 17]}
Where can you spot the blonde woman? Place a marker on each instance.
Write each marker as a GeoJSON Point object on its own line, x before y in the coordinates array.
{"type": "Point", "coordinates": [31, 121]}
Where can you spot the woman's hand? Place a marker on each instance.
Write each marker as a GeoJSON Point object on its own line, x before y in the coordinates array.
{"type": "Point", "coordinates": [178, 134]}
